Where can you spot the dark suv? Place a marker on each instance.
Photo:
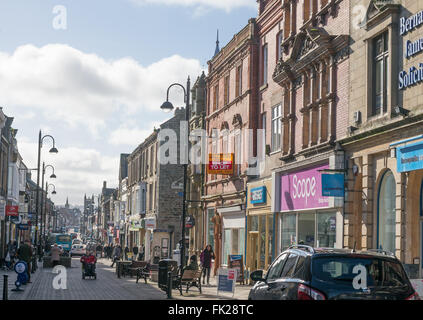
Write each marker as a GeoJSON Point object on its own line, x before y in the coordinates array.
{"type": "Point", "coordinates": [305, 273]}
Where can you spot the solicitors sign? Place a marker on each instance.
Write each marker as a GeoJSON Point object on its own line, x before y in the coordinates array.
{"type": "Point", "coordinates": [410, 157]}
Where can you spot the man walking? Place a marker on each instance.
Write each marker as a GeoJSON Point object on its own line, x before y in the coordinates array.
{"type": "Point", "coordinates": [117, 254]}
{"type": "Point", "coordinates": [25, 254]}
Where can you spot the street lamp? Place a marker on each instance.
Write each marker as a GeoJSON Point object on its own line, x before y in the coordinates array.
{"type": "Point", "coordinates": [53, 176]}
{"type": "Point", "coordinates": [168, 107]}
{"type": "Point", "coordinates": [52, 150]}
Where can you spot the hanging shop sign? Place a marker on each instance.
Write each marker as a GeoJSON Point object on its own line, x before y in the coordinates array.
{"type": "Point", "coordinates": [303, 189]}
{"type": "Point", "coordinates": [258, 195]}
{"type": "Point", "coordinates": [150, 223]}
{"type": "Point", "coordinates": [189, 222]}
{"type": "Point", "coordinates": [333, 185]}
{"type": "Point", "coordinates": [410, 157]}
{"type": "Point", "coordinates": [12, 211]}
{"type": "Point", "coordinates": [221, 163]}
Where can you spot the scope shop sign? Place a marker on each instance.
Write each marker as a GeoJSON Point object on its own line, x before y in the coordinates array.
{"type": "Point", "coordinates": [414, 75]}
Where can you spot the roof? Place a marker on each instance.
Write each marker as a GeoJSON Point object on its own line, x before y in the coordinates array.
{"type": "Point", "coordinates": [332, 251]}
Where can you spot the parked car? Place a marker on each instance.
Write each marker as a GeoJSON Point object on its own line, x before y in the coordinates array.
{"type": "Point", "coordinates": [78, 250]}
{"type": "Point", "coordinates": [305, 273]}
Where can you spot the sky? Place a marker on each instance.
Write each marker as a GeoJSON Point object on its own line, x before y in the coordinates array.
{"type": "Point", "coordinates": [93, 74]}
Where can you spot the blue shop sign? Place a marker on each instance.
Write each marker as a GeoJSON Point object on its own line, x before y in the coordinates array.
{"type": "Point", "coordinates": [410, 158]}
{"type": "Point", "coordinates": [333, 185]}
{"type": "Point", "coordinates": [258, 195]}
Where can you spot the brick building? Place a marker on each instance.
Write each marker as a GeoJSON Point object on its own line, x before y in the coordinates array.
{"type": "Point", "coordinates": [231, 100]}
{"type": "Point", "coordinates": [384, 145]}
{"type": "Point", "coordinates": [304, 74]}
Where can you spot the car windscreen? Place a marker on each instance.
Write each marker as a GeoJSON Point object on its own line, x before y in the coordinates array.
{"type": "Point", "coordinates": [343, 271]}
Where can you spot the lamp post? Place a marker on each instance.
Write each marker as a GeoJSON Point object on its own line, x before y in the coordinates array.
{"type": "Point", "coordinates": [43, 223]}
{"type": "Point", "coordinates": [168, 107]}
{"type": "Point", "coordinates": [52, 150]}
{"type": "Point", "coordinates": [44, 209]}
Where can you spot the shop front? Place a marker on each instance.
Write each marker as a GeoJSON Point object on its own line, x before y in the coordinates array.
{"type": "Point", "coordinates": [306, 216]}
{"type": "Point", "coordinates": [233, 231]}
{"type": "Point", "coordinates": [260, 226]}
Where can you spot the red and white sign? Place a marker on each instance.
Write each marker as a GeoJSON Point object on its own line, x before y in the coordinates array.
{"type": "Point", "coordinates": [231, 274]}
{"type": "Point", "coordinates": [12, 211]}
{"type": "Point", "coordinates": [221, 163]}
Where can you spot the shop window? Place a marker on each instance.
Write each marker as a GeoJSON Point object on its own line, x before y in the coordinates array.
{"type": "Point", "coordinates": [326, 229]}
{"type": "Point", "coordinates": [289, 230]}
{"type": "Point", "coordinates": [270, 239]}
{"type": "Point", "coordinates": [262, 235]}
{"type": "Point", "coordinates": [227, 245]}
{"type": "Point", "coordinates": [306, 228]}
{"type": "Point", "coordinates": [386, 213]}
{"type": "Point", "coordinates": [380, 73]}
{"type": "Point", "coordinates": [210, 236]}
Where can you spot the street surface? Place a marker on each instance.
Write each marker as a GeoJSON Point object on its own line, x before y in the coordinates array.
{"type": "Point", "coordinates": [107, 287]}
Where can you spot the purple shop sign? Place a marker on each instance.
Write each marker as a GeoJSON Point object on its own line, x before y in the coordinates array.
{"type": "Point", "coordinates": [303, 190]}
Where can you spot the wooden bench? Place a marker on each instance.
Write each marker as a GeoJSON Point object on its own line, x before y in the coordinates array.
{"type": "Point", "coordinates": [132, 269]}
{"type": "Point", "coordinates": [144, 271]}
{"type": "Point", "coordinates": [190, 278]}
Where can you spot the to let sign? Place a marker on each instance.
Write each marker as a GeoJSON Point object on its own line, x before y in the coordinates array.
{"type": "Point", "coordinates": [12, 211]}
{"type": "Point", "coordinates": [221, 163]}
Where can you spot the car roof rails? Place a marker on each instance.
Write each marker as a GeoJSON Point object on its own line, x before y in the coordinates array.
{"type": "Point", "coordinates": [385, 252]}
{"type": "Point", "coordinates": [302, 246]}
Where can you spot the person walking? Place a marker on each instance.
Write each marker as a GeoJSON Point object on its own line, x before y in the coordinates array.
{"type": "Point", "coordinates": [98, 250]}
{"type": "Point", "coordinates": [116, 254]}
{"type": "Point", "coordinates": [126, 252]}
{"type": "Point", "coordinates": [206, 260]}
{"type": "Point", "coordinates": [134, 253]}
{"type": "Point", "coordinates": [25, 254]}
{"type": "Point", "coordinates": [55, 255]}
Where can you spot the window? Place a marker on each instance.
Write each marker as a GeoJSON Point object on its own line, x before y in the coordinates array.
{"type": "Point", "coordinates": [264, 65]}
{"type": "Point", "coordinates": [306, 228]}
{"type": "Point", "coordinates": [288, 269]}
{"type": "Point", "coordinates": [299, 268]}
{"type": "Point", "coordinates": [226, 90]}
{"type": "Point", "coordinates": [210, 235]}
{"type": "Point", "coordinates": [289, 230]}
{"type": "Point", "coordinates": [279, 41]}
{"type": "Point", "coordinates": [326, 230]}
{"type": "Point", "coordinates": [380, 73]}
{"type": "Point", "coordinates": [216, 98]}
{"type": "Point", "coordinates": [276, 128]}
{"type": "Point", "coordinates": [386, 212]}
{"type": "Point", "coordinates": [276, 269]}
{"type": "Point", "coordinates": [238, 90]}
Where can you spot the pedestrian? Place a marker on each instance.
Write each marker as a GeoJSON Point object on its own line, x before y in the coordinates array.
{"type": "Point", "coordinates": [111, 250]}
{"type": "Point", "coordinates": [55, 255]}
{"type": "Point", "coordinates": [135, 253]}
{"type": "Point", "coordinates": [206, 260]}
{"type": "Point", "coordinates": [126, 252]}
{"type": "Point", "coordinates": [25, 254]}
{"type": "Point", "coordinates": [117, 253]}
{"type": "Point", "coordinates": [99, 250]}
{"type": "Point", "coordinates": [142, 252]}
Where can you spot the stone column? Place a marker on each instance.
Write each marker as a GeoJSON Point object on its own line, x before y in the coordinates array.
{"type": "Point", "coordinates": [367, 203]}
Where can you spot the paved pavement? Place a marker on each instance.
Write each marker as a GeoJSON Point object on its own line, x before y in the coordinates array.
{"type": "Point", "coordinates": [108, 287]}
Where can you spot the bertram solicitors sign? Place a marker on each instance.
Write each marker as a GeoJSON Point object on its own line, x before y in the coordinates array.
{"type": "Point", "coordinates": [414, 75]}
{"type": "Point", "coordinates": [303, 189]}
{"type": "Point", "coordinates": [410, 157]}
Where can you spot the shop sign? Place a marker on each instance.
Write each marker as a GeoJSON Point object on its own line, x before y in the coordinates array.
{"type": "Point", "coordinates": [303, 190]}
{"type": "Point", "coordinates": [221, 163]}
{"type": "Point", "coordinates": [189, 222]}
{"type": "Point", "coordinates": [410, 158]}
{"type": "Point", "coordinates": [412, 48]}
{"type": "Point", "coordinates": [333, 185]}
{"type": "Point", "coordinates": [23, 227]}
{"type": "Point", "coordinates": [150, 223]}
{"type": "Point", "coordinates": [12, 211]}
{"type": "Point", "coordinates": [226, 279]}
{"type": "Point", "coordinates": [258, 195]}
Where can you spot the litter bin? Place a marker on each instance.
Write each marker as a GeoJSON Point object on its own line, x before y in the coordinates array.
{"type": "Point", "coordinates": [165, 266]}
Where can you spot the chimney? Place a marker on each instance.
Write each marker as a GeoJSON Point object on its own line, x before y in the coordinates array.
{"type": "Point", "coordinates": [104, 184]}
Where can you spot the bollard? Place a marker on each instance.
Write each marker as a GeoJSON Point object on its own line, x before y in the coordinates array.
{"type": "Point", "coordinates": [169, 285]}
{"type": "Point", "coordinates": [5, 287]}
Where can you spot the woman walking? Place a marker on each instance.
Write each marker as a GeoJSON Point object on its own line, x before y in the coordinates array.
{"type": "Point", "coordinates": [206, 259]}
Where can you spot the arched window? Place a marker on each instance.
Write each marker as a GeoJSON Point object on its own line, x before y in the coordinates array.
{"type": "Point", "coordinates": [386, 212]}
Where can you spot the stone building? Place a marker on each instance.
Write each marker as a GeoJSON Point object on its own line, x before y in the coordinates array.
{"type": "Point", "coordinates": [384, 146]}
{"type": "Point", "coordinates": [304, 47]}
{"type": "Point", "coordinates": [231, 111]}
{"type": "Point", "coordinates": [154, 188]}
{"type": "Point", "coordinates": [104, 216]}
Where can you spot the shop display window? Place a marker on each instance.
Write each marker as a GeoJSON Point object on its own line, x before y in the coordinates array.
{"type": "Point", "coordinates": [289, 230]}
{"type": "Point", "coordinates": [306, 228]}
{"type": "Point", "coordinates": [386, 212]}
{"type": "Point", "coordinates": [326, 229]}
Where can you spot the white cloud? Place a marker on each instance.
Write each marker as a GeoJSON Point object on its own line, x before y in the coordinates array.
{"type": "Point", "coordinates": [131, 135]}
{"type": "Point", "coordinates": [83, 89]}
{"type": "Point", "coordinates": [226, 5]}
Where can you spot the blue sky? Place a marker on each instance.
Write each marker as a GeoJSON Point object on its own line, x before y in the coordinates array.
{"type": "Point", "coordinates": [97, 86]}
